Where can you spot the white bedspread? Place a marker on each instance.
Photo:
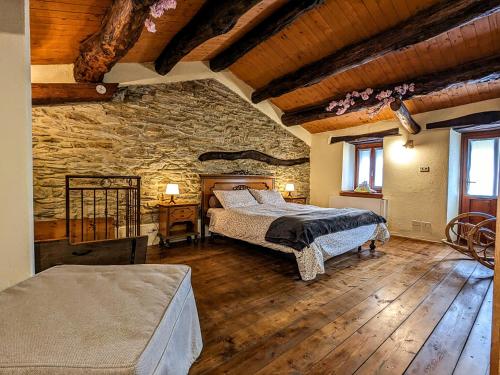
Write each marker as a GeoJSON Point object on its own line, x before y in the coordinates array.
{"type": "Point", "coordinates": [250, 224]}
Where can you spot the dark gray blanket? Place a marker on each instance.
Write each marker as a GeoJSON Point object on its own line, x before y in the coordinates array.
{"type": "Point", "coordinates": [300, 230]}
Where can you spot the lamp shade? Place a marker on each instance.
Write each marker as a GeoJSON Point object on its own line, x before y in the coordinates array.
{"type": "Point", "coordinates": [172, 189]}
{"type": "Point", "coordinates": [289, 187]}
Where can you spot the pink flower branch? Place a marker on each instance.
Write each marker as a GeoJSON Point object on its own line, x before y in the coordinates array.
{"type": "Point", "coordinates": [385, 97]}
{"type": "Point", "coordinates": [156, 11]}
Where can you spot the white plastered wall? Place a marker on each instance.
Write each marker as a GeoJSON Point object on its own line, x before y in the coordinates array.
{"type": "Point", "coordinates": [412, 195]}
{"type": "Point", "coordinates": [16, 196]}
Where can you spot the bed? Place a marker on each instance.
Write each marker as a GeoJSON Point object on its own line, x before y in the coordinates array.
{"type": "Point", "coordinates": [131, 319]}
{"type": "Point", "coordinates": [252, 224]}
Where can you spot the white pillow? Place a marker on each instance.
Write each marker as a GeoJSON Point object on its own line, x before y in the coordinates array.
{"type": "Point", "coordinates": [268, 197]}
{"type": "Point", "coordinates": [235, 198]}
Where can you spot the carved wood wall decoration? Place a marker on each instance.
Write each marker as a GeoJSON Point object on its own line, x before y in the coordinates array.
{"type": "Point", "coordinates": [426, 24]}
{"type": "Point", "coordinates": [251, 154]}
{"type": "Point", "coordinates": [365, 138]}
{"type": "Point", "coordinates": [213, 19]}
{"type": "Point", "coordinates": [276, 22]}
{"type": "Point", "coordinates": [121, 27]}
{"type": "Point", "coordinates": [478, 71]}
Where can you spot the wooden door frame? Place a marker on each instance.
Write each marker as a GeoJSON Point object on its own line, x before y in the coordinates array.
{"type": "Point", "coordinates": [463, 158]}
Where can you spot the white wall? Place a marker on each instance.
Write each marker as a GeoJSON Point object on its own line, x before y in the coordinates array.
{"type": "Point", "coordinates": [348, 164]}
{"type": "Point", "coordinates": [16, 197]}
{"type": "Point", "coordinates": [454, 165]}
{"type": "Point", "coordinates": [326, 170]}
{"type": "Point", "coordinates": [412, 195]}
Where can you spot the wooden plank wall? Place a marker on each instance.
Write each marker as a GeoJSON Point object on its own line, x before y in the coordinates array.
{"type": "Point", "coordinates": [56, 229]}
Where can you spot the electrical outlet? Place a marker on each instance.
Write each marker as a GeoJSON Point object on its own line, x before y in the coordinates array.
{"type": "Point", "coordinates": [426, 227]}
{"type": "Point", "coordinates": [425, 169]}
{"type": "Point", "coordinates": [416, 226]}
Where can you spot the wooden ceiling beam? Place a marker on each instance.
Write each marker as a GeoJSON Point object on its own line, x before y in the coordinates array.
{"type": "Point", "coordinates": [215, 17]}
{"type": "Point", "coordinates": [273, 24]}
{"type": "Point", "coordinates": [404, 116]}
{"type": "Point", "coordinates": [478, 71]}
{"type": "Point", "coordinates": [57, 93]}
{"type": "Point", "coordinates": [426, 24]}
{"type": "Point", "coordinates": [365, 138]}
{"type": "Point", "coordinates": [474, 122]}
{"type": "Point", "coordinates": [120, 29]}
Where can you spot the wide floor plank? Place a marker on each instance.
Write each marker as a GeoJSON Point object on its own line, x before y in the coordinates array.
{"type": "Point", "coordinates": [367, 313]}
{"type": "Point", "coordinates": [476, 353]}
{"type": "Point", "coordinates": [324, 340]}
{"type": "Point", "coordinates": [442, 348]}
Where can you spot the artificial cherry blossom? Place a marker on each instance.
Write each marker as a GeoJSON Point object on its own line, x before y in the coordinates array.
{"type": "Point", "coordinates": [156, 11]}
{"type": "Point", "coordinates": [385, 97]}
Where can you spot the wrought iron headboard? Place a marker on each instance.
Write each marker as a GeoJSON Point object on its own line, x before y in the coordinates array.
{"type": "Point", "coordinates": [104, 207]}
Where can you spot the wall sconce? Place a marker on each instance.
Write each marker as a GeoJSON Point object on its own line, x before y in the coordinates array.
{"type": "Point", "coordinates": [401, 151]}
{"type": "Point", "coordinates": [409, 144]}
{"type": "Point", "coordinates": [172, 189]}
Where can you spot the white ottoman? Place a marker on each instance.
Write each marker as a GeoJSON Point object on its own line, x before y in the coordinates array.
{"type": "Point", "coordinates": [133, 319]}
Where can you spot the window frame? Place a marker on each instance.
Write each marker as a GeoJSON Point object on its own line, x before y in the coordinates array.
{"type": "Point", "coordinates": [467, 140]}
{"type": "Point", "coordinates": [372, 146]}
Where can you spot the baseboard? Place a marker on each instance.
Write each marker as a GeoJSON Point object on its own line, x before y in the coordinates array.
{"type": "Point", "coordinates": [150, 230]}
{"type": "Point", "coordinates": [396, 235]}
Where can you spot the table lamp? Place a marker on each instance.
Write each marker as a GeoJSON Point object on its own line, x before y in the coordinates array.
{"type": "Point", "coordinates": [290, 188]}
{"type": "Point", "coordinates": [172, 189]}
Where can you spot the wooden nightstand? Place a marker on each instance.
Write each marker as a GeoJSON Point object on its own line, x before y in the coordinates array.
{"type": "Point", "coordinates": [299, 200]}
{"type": "Point", "coordinates": [177, 221]}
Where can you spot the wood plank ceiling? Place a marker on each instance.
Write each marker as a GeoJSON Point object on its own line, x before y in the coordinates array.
{"type": "Point", "coordinates": [58, 26]}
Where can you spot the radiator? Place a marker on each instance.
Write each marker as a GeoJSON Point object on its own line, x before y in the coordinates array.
{"type": "Point", "coordinates": [377, 205]}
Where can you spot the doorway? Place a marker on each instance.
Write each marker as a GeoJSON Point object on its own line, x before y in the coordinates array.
{"type": "Point", "coordinates": [480, 171]}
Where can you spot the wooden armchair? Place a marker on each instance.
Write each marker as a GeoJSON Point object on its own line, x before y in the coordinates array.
{"type": "Point", "coordinates": [474, 240]}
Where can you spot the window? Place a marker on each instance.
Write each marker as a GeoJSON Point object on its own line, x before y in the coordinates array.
{"type": "Point", "coordinates": [482, 167]}
{"type": "Point", "coordinates": [369, 165]}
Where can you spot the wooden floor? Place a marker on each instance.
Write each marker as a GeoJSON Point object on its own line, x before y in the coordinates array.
{"type": "Point", "coordinates": [412, 308]}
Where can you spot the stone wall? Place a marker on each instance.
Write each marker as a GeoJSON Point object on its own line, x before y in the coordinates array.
{"type": "Point", "coordinates": [156, 132]}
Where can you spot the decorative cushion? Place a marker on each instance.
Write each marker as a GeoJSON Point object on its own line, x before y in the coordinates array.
{"type": "Point", "coordinates": [268, 197]}
{"type": "Point", "coordinates": [235, 198]}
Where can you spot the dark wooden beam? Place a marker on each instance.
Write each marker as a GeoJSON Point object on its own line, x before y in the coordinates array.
{"type": "Point", "coordinates": [120, 29]}
{"type": "Point", "coordinates": [404, 117]}
{"type": "Point", "coordinates": [426, 24]}
{"type": "Point", "coordinates": [272, 25]}
{"type": "Point", "coordinates": [476, 121]}
{"type": "Point", "coordinates": [215, 17]}
{"type": "Point", "coordinates": [250, 154]}
{"type": "Point", "coordinates": [483, 70]}
{"type": "Point", "coordinates": [365, 138]}
{"type": "Point", "coordinates": [56, 93]}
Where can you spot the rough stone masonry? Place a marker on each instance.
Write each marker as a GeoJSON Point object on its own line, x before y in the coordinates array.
{"type": "Point", "coordinates": [156, 132]}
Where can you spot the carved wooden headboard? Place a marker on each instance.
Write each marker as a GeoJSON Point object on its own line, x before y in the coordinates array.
{"type": "Point", "coordinates": [211, 182]}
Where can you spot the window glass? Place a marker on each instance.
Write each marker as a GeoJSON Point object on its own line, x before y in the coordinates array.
{"type": "Point", "coordinates": [364, 166]}
{"type": "Point", "coordinates": [379, 166]}
{"type": "Point", "coordinates": [482, 165]}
